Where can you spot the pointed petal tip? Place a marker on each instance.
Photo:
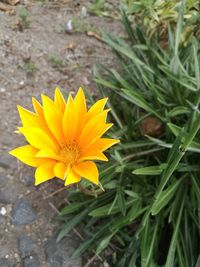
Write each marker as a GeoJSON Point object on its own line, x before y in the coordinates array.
{"type": "Point", "coordinates": [80, 91]}
{"type": "Point", "coordinates": [11, 152]}
{"type": "Point", "coordinates": [36, 183]}
{"type": "Point", "coordinates": [57, 88]}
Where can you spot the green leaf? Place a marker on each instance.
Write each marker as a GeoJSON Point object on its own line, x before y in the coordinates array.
{"type": "Point", "coordinates": [172, 247]}
{"type": "Point", "coordinates": [72, 223]}
{"type": "Point", "coordinates": [165, 197]}
{"type": "Point", "coordinates": [138, 100]}
{"type": "Point", "coordinates": [104, 210]}
{"type": "Point", "coordinates": [153, 170]}
{"type": "Point", "coordinates": [70, 208]}
{"type": "Point", "coordinates": [121, 200]}
{"type": "Point", "coordinates": [104, 243]}
{"type": "Point", "coordinates": [179, 110]}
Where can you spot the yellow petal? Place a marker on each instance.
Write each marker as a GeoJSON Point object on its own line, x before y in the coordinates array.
{"type": "Point", "coordinates": [38, 138]}
{"type": "Point", "coordinates": [60, 170]}
{"type": "Point", "coordinates": [93, 155]}
{"type": "Point", "coordinates": [28, 118]}
{"type": "Point", "coordinates": [93, 130]}
{"type": "Point", "coordinates": [102, 144]}
{"type": "Point", "coordinates": [48, 153]}
{"type": "Point", "coordinates": [80, 106]}
{"type": "Point", "coordinates": [70, 122]}
{"type": "Point", "coordinates": [53, 117]}
{"type": "Point", "coordinates": [44, 172]}
{"type": "Point", "coordinates": [96, 108]}
{"type": "Point", "coordinates": [59, 100]}
{"type": "Point", "coordinates": [88, 170]}
{"type": "Point", "coordinates": [27, 155]}
{"type": "Point", "coordinates": [72, 177]}
{"type": "Point", "coordinates": [37, 107]}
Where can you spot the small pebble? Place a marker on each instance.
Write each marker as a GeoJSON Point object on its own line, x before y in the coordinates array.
{"type": "Point", "coordinates": [84, 12]}
{"type": "Point", "coordinates": [2, 90]}
{"type": "Point", "coordinates": [3, 211]}
{"type": "Point", "coordinates": [22, 83]}
{"type": "Point", "coordinates": [69, 26]}
{"type": "Point", "coordinates": [22, 213]}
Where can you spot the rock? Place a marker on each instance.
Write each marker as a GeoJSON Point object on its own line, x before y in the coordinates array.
{"type": "Point", "coordinates": [8, 194]}
{"type": "Point", "coordinates": [58, 254]}
{"type": "Point", "coordinates": [27, 180]}
{"type": "Point", "coordinates": [27, 177]}
{"type": "Point", "coordinates": [2, 221]}
{"type": "Point", "coordinates": [2, 179]}
{"type": "Point", "coordinates": [26, 246]}
{"type": "Point", "coordinates": [22, 213]}
{"type": "Point", "coordinates": [7, 161]}
{"type": "Point", "coordinates": [6, 263]}
{"type": "Point", "coordinates": [31, 261]}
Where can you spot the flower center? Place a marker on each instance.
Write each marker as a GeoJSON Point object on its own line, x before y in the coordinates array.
{"type": "Point", "coordinates": [70, 153]}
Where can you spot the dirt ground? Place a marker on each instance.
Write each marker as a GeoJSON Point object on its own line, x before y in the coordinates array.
{"type": "Point", "coordinates": [38, 51]}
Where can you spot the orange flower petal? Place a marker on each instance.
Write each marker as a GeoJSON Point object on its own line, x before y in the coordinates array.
{"type": "Point", "coordinates": [80, 106]}
{"type": "Point", "coordinates": [88, 170]}
{"type": "Point", "coordinates": [96, 108]}
{"type": "Point", "coordinates": [60, 170]}
{"type": "Point", "coordinates": [93, 155]}
{"type": "Point", "coordinates": [72, 177]}
{"type": "Point", "coordinates": [37, 107]}
{"type": "Point", "coordinates": [53, 117]}
{"type": "Point", "coordinates": [27, 155]}
{"type": "Point", "coordinates": [102, 144]}
{"type": "Point", "coordinates": [28, 118]}
{"type": "Point", "coordinates": [59, 100]}
{"type": "Point", "coordinates": [93, 129]}
{"type": "Point", "coordinates": [70, 122]}
{"type": "Point", "coordinates": [48, 153]}
{"type": "Point", "coordinates": [38, 138]}
{"type": "Point", "coordinates": [44, 172]}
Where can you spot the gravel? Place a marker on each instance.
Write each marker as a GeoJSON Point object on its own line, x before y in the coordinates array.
{"type": "Point", "coordinates": [31, 261]}
{"type": "Point", "coordinates": [26, 245]}
{"type": "Point", "coordinates": [58, 254]}
{"type": "Point", "coordinates": [6, 263]}
{"type": "Point", "coordinates": [22, 213]}
{"type": "Point", "coordinates": [8, 194]}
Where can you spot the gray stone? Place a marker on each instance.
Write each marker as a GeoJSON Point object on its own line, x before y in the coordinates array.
{"type": "Point", "coordinates": [8, 194]}
{"type": "Point", "coordinates": [27, 176]}
{"type": "Point", "coordinates": [26, 246]}
{"type": "Point", "coordinates": [7, 161]}
{"type": "Point", "coordinates": [6, 263]}
{"type": "Point", "coordinates": [2, 220]}
{"type": "Point", "coordinates": [31, 261]}
{"type": "Point", "coordinates": [2, 179]}
{"type": "Point", "coordinates": [22, 213]}
{"type": "Point", "coordinates": [58, 254]}
{"type": "Point", "coordinates": [27, 180]}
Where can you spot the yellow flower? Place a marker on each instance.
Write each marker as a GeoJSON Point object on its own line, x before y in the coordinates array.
{"type": "Point", "coordinates": [64, 138]}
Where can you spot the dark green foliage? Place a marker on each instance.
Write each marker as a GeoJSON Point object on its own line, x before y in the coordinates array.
{"type": "Point", "coordinates": [149, 213]}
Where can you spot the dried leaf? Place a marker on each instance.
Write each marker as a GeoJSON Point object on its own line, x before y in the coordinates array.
{"type": "Point", "coordinates": [10, 2]}
{"type": "Point", "coordinates": [8, 10]}
{"type": "Point", "coordinates": [151, 126]}
{"type": "Point", "coordinates": [94, 34]}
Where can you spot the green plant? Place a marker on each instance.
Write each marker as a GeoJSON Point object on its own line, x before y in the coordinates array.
{"type": "Point", "coordinates": [30, 68]}
{"type": "Point", "coordinates": [101, 8]}
{"type": "Point", "coordinates": [149, 213]}
{"type": "Point", "coordinates": [24, 17]}
{"type": "Point", "coordinates": [81, 25]}
{"type": "Point", "coordinates": [155, 15]}
{"type": "Point", "coordinates": [56, 61]}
